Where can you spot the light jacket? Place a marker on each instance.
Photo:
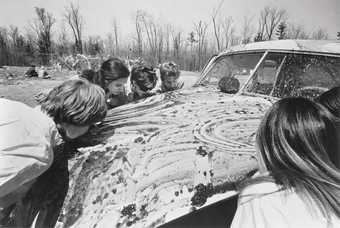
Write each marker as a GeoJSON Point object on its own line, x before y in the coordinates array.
{"type": "Point", "coordinates": [266, 205]}
{"type": "Point", "coordinates": [27, 137]}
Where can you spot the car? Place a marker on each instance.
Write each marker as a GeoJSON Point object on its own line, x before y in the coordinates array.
{"type": "Point", "coordinates": [170, 156]}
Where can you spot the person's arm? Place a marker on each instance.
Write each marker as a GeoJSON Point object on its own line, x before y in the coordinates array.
{"type": "Point", "coordinates": [25, 151]}
{"type": "Point", "coordinates": [17, 168]}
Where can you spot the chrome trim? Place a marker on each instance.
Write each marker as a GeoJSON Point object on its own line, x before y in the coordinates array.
{"type": "Point", "coordinates": [277, 74]}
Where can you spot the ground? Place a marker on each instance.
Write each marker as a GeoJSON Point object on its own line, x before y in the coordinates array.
{"type": "Point", "coordinates": [15, 86]}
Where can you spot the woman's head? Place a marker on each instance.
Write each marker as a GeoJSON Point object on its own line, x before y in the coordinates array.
{"type": "Point", "coordinates": [143, 77]}
{"type": "Point", "coordinates": [295, 131]}
{"type": "Point", "coordinates": [169, 73]}
{"type": "Point", "coordinates": [75, 105]}
{"type": "Point", "coordinates": [331, 100]}
{"type": "Point", "coordinates": [229, 84]}
{"type": "Point", "coordinates": [89, 75]}
{"type": "Point", "coordinates": [111, 70]}
{"type": "Point", "coordinates": [297, 144]}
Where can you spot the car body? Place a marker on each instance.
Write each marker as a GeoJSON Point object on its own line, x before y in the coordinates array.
{"type": "Point", "coordinates": [180, 151]}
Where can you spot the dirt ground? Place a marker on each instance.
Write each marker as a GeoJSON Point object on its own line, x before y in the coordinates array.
{"type": "Point", "coordinates": [15, 86]}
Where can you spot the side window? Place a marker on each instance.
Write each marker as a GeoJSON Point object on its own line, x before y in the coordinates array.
{"type": "Point", "coordinates": [307, 75]}
{"type": "Point", "coordinates": [263, 80]}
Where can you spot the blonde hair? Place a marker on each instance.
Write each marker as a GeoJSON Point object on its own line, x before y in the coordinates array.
{"type": "Point", "coordinates": [77, 102]}
{"type": "Point", "coordinates": [297, 145]}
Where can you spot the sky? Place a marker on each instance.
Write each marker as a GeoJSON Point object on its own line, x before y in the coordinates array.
{"type": "Point", "coordinates": [100, 14]}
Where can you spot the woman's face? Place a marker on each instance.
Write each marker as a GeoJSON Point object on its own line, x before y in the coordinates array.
{"type": "Point", "coordinates": [145, 81]}
{"type": "Point", "coordinates": [170, 81]}
{"type": "Point", "coordinates": [109, 77]}
{"type": "Point", "coordinates": [70, 131]}
{"type": "Point", "coordinates": [116, 87]}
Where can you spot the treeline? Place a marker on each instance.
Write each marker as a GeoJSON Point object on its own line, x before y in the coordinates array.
{"type": "Point", "coordinates": [153, 41]}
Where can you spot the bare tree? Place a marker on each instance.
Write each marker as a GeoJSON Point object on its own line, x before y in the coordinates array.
{"type": "Point", "coordinates": [110, 45]}
{"type": "Point", "coordinates": [14, 35]}
{"type": "Point", "coordinates": [160, 43]}
{"type": "Point", "coordinates": [228, 31]}
{"type": "Point", "coordinates": [201, 30]}
{"type": "Point", "coordinates": [42, 26]}
{"type": "Point", "coordinates": [4, 47]}
{"type": "Point", "coordinates": [76, 22]}
{"type": "Point", "coordinates": [177, 45]}
{"type": "Point", "coordinates": [167, 39]}
{"type": "Point", "coordinates": [139, 32]}
{"type": "Point", "coordinates": [116, 36]}
{"type": "Point", "coordinates": [155, 37]}
{"type": "Point", "coordinates": [247, 29]}
{"type": "Point", "coordinates": [270, 18]}
{"type": "Point", "coordinates": [217, 26]}
{"type": "Point", "coordinates": [62, 42]}
{"type": "Point", "coordinates": [264, 14]}
{"type": "Point", "coordinates": [320, 34]}
{"type": "Point", "coordinates": [17, 45]}
{"type": "Point", "coordinates": [296, 32]}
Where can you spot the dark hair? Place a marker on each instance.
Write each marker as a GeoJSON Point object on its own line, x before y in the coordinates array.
{"type": "Point", "coordinates": [229, 84]}
{"type": "Point", "coordinates": [331, 100]}
{"type": "Point", "coordinates": [112, 69]}
{"type": "Point", "coordinates": [296, 145]}
{"type": "Point", "coordinates": [89, 75]}
{"type": "Point", "coordinates": [137, 73]}
{"type": "Point", "coordinates": [76, 102]}
{"type": "Point", "coordinates": [169, 68]}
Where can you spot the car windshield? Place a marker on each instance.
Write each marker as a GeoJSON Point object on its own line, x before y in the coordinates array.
{"type": "Point", "coordinates": [238, 66]}
{"type": "Point", "coordinates": [290, 74]}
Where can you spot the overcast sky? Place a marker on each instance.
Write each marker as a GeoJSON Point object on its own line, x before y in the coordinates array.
{"type": "Point", "coordinates": [99, 14]}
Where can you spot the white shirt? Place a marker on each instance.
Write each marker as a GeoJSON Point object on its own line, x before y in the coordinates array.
{"type": "Point", "coordinates": [26, 140]}
{"type": "Point", "coordinates": [264, 205]}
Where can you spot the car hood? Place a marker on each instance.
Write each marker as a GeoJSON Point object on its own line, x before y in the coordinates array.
{"type": "Point", "coordinates": [157, 151]}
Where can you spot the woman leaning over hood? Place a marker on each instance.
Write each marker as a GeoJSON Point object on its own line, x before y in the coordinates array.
{"type": "Point", "coordinates": [299, 185]}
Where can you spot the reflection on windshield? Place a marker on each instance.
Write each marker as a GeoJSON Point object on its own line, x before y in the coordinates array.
{"type": "Point", "coordinates": [279, 74]}
{"type": "Point", "coordinates": [265, 76]}
{"type": "Point", "coordinates": [286, 74]}
{"type": "Point", "coordinates": [238, 66]}
{"type": "Point", "coordinates": [307, 75]}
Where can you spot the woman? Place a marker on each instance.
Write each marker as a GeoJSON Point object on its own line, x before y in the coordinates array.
{"type": "Point", "coordinates": [113, 78]}
{"type": "Point", "coordinates": [33, 171]}
{"type": "Point", "coordinates": [143, 82]}
{"type": "Point", "coordinates": [299, 185]}
{"type": "Point", "coordinates": [331, 100]}
{"type": "Point", "coordinates": [169, 74]}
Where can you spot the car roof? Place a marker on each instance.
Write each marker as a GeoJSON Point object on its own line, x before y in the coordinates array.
{"type": "Point", "coordinates": [313, 46]}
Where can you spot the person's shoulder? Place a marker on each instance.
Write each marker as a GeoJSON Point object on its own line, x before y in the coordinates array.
{"type": "Point", "coordinates": [264, 190]}
{"type": "Point", "coordinates": [75, 77]}
{"type": "Point", "coordinates": [13, 108]}
{"type": "Point", "coordinates": [260, 188]}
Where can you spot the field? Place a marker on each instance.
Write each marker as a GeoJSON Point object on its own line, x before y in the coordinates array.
{"type": "Point", "coordinates": [15, 86]}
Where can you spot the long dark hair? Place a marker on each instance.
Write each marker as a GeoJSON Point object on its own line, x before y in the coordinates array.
{"type": "Point", "coordinates": [112, 69]}
{"type": "Point", "coordinates": [331, 100]}
{"type": "Point", "coordinates": [297, 145]}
